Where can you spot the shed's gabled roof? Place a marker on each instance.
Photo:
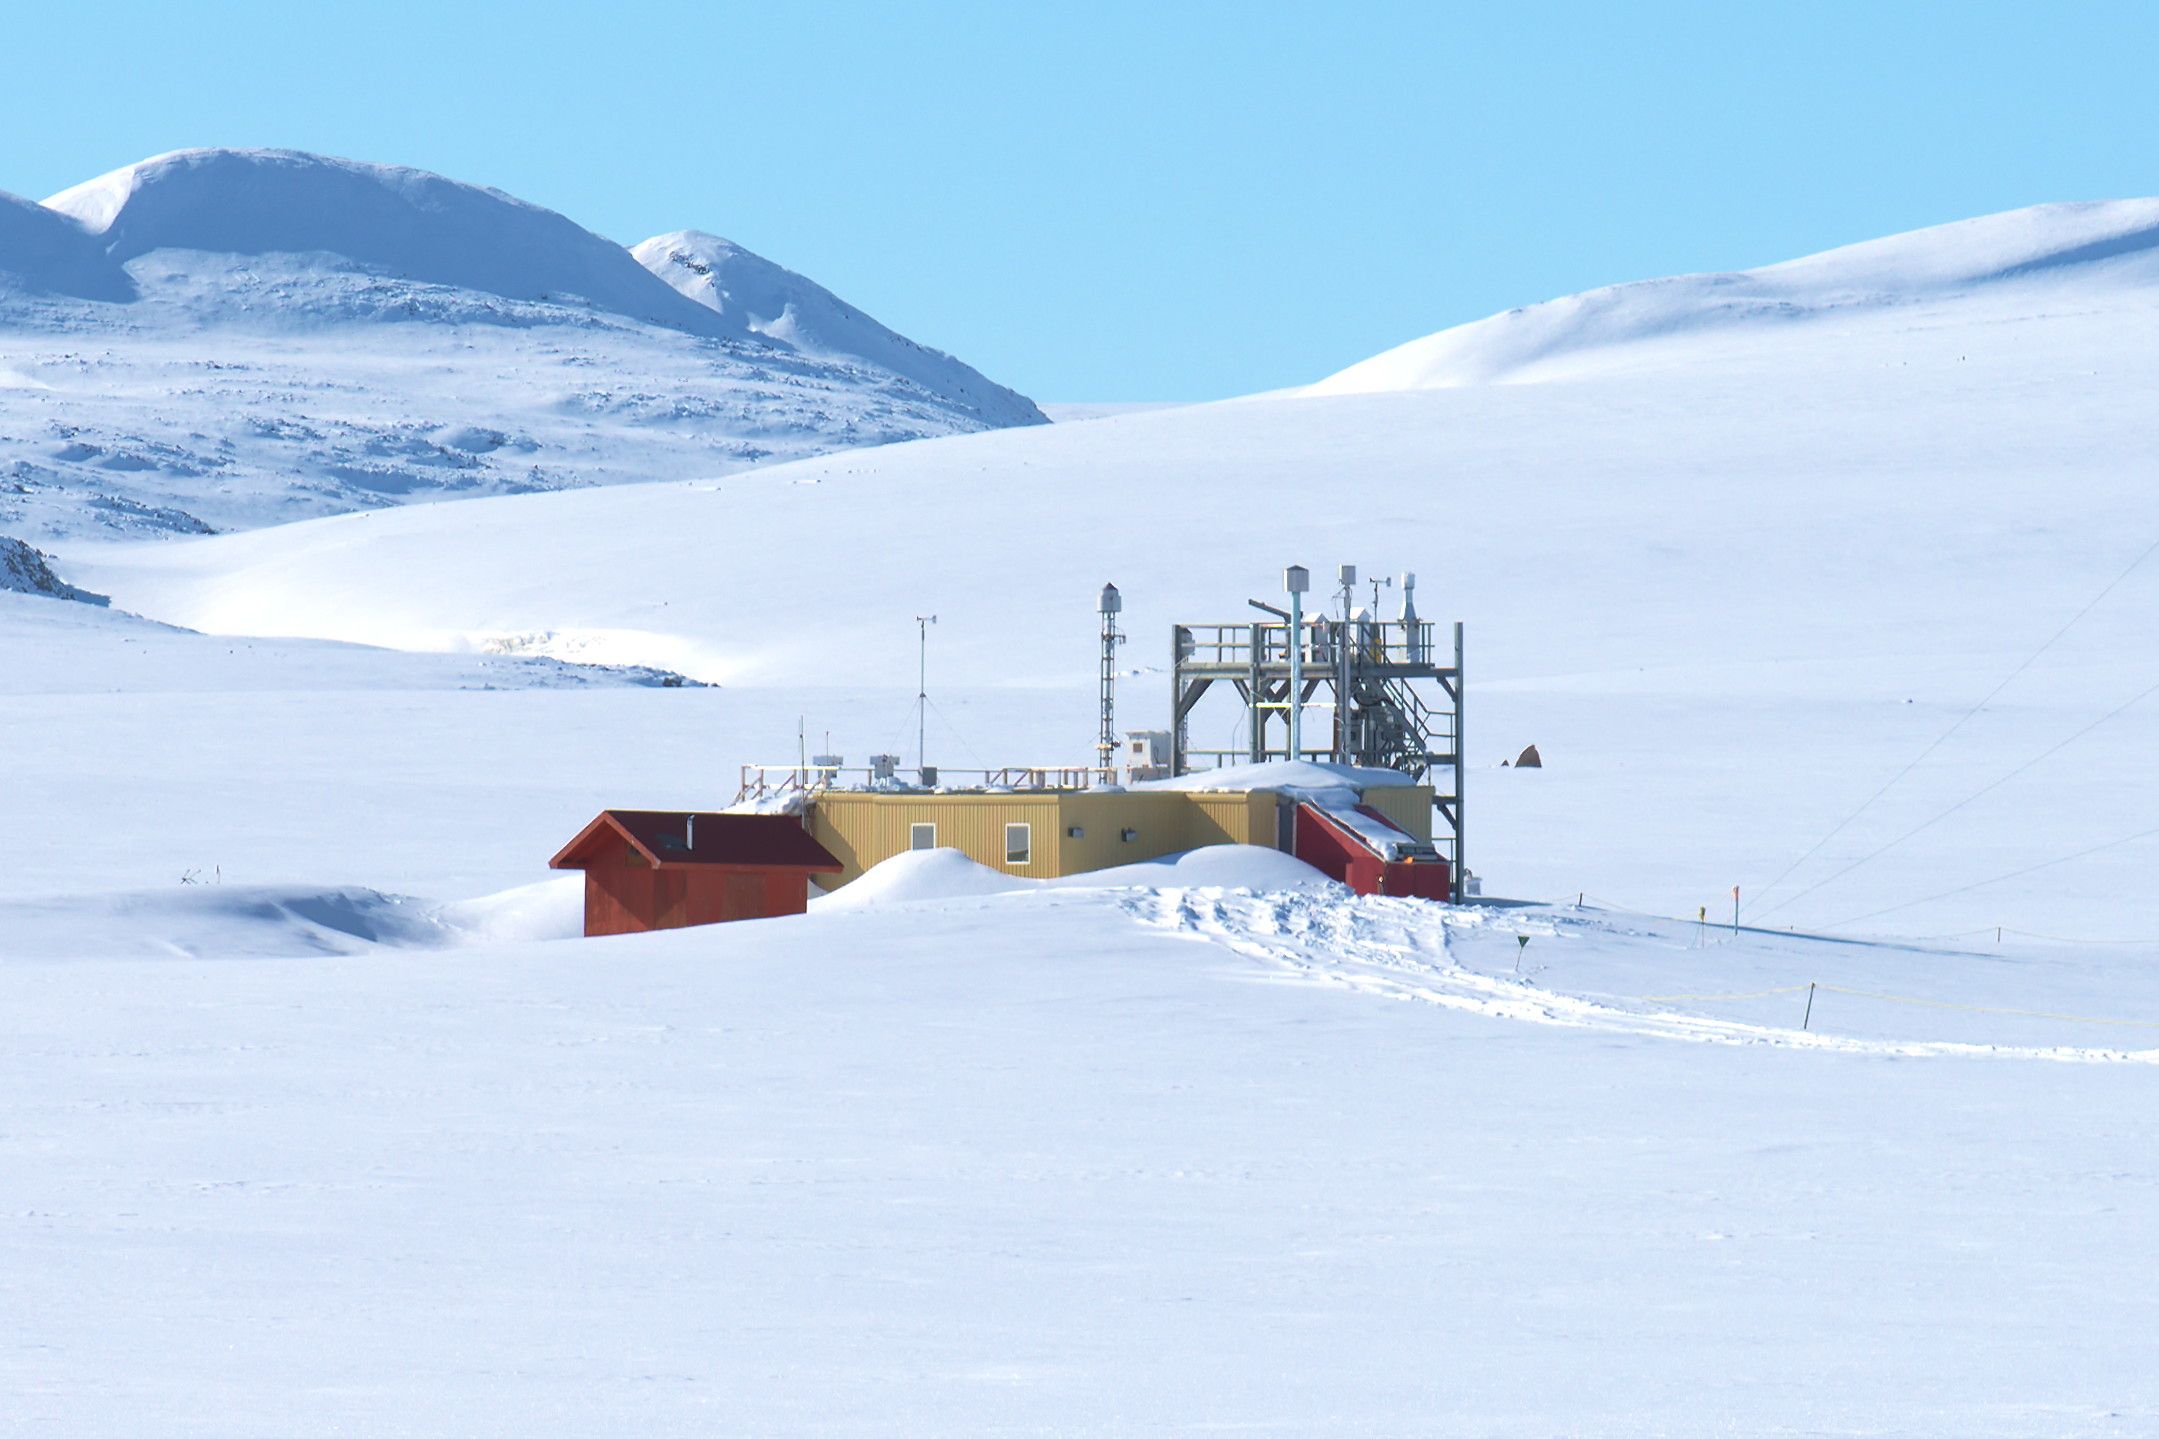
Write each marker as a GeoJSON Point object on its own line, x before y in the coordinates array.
{"type": "Point", "coordinates": [668, 839]}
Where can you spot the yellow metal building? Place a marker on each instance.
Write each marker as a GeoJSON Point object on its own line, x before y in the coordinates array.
{"type": "Point", "coordinates": [1045, 834]}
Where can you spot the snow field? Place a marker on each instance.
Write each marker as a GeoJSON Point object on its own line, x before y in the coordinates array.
{"type": "Point", "coordinates": [1015, 1163]}
{"type": "Point", "coordinates": [1203, 1144]}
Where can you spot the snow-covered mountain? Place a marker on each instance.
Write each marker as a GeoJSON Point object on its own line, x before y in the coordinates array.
{"type": "Point", "coordinates": [2093, 249]}
{"type": "Point", "coordinates": [226, 338]}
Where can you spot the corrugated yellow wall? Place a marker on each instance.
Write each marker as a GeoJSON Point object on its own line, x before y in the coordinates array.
{"type": "Point", "coordinates": [1156, 820]}
{"type": "Point", "coordinates": [1409, 806]}
{"type": "Point", "coordinates": [1232, 817]}
{"type": "Point", "coordinates": [863, 829]}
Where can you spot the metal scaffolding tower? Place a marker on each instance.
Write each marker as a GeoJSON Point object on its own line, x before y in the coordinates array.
{"type": "Point", "coordinates": [1105, 748]}
{"type": "Point", "coordinates": [1395, 698]}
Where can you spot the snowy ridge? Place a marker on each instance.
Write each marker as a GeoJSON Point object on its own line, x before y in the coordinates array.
{"type": "Point", "coordinates": [757, 297]}
{"type": "Point", "coordinates": [43, 252]}
{"type": "Point", "coordinates": [2104, 243]}
{"type": "Point", "coordinates": [401, 223]}
{"type": "Point", "coordinates": [222, 339]}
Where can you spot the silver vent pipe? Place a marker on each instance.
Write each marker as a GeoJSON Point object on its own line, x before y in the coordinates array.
{"type": "Point", "coordinates": [1411, 635]}
{"type": "Point", "coordinates": [1297, 580]}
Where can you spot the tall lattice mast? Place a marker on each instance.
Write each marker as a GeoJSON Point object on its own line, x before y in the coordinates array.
{"type": "Point", "coordinates": [1105, 748]}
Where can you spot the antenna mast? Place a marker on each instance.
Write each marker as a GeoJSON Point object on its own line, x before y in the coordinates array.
{"type": "Point", "coordinates": [922, 688]}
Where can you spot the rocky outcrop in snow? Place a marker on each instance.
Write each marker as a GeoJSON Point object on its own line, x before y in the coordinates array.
{"type": "Point", "coordinates": [27, 571]}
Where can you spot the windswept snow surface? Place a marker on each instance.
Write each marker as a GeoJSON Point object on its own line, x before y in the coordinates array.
{"type": "Point", "coordinates": [1072, 1161]}
{"type": "Point", "coordinates": [204, 917]}
{"type": "Point", "coordinates": [1302, 777]}
{"type": "Point", "coordinates": [230, 338]}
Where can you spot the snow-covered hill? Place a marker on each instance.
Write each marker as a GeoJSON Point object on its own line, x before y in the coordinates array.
{"type": "Point", "coordinates": [2092, 255]}
{"type": "Point", "coordinates": [225, 338]}
{"type": "Point", "coordinates": [1740, 595]}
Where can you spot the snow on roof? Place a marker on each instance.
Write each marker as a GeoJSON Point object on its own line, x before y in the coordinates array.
{"type": "Point", "coordinates": [1304, 778]}
{"type": "Point", "coordinates": [1336, 790]}
{"type": "Point", "coordinates": [1373, 830]}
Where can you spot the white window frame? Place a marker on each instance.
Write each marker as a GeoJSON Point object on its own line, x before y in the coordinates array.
{"type": "Point", "coordinates": [1027, 842]}
{"type": "Point", "coordinates": [914, 834]}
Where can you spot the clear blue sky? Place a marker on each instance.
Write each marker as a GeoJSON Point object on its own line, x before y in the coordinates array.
{"type": "Point", "coordinates": [1147, 201]}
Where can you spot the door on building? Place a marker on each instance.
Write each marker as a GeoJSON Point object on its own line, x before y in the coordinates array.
{"type": "Point", "coordinates": [742, 896]}
{"type": "Point", "coordinates": [671, 900]}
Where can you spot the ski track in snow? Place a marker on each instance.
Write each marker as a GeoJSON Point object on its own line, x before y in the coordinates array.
{"type": "Point", "coordinates": [1399, 949]}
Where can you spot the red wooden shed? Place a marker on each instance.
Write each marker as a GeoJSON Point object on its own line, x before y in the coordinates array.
{"type": "Point", "coordinates": [655, 869]}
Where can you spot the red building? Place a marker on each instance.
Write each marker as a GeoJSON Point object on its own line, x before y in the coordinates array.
{"type": "Point", "coordinates": [652, 869]}
{"type": "Point", "coordinates": [1339, 852]}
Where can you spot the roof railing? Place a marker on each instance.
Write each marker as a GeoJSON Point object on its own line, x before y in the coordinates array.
{"type": "Point", "coordinates": [1383, 641]}
{"type": "Point", "coordinates": [767, 782]}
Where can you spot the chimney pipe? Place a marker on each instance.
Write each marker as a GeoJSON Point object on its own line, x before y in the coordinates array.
{"type": "Point", "coordinates": [1297, 580]}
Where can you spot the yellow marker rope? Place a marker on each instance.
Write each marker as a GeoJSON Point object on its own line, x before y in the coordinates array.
{"type": "Point", "coordinates": [1750, 994]}
{"type": "Point", "coordinates": [1907, 999]}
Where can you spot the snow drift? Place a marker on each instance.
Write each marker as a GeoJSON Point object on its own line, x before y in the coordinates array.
{"type": "Point", "coordinates": [944, 875]}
